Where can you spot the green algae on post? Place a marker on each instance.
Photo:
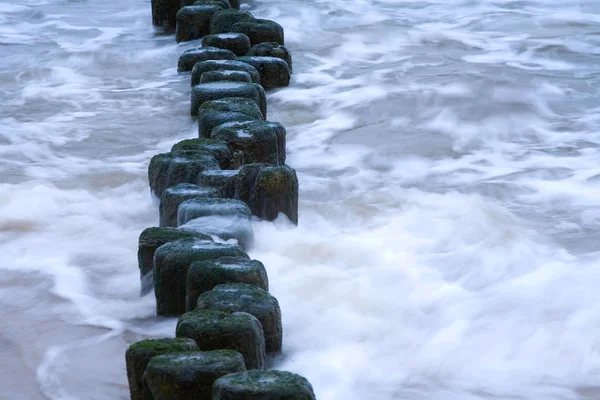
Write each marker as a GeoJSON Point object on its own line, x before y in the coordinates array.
{"type": "Point", "coordinates": [257, 140]}
{"type": "Point", "coordinates": [237, 43]}
{"type": "Point", "coordinates": [169, 169]}
{"type": "Point", "coordinates": [263, 385]}
{"type": "Point", "coordinates": [193, 22]}
{"type": "Point", "coordinates": [221, 180]}
{"type": "Point", "coordinates": [233, 297]}
{"type": "Point", "coordinates": [274, 72]}
{"type": "Point", "coordinates": [223, 21]}
{"type": "Point", "coordinates": [271, 49]}
{"type": "Point", "coordinates": [220, 90]}
{"type": "Point", "coordinates": [203, 276]}
{"type": "Point", "coordinates": [260, 31]}
{"type": "Point", "coordinates": [219, 330]}
{"type": "Point", "coordinates": [230, 109]}
{"type": "Point", "coordinates": [222, 65]}
{"type": "Point", "coordinates": [190, 376]}
{"type": "Point", "coordinates": [164, 13]}
{"type": "Point", "coordinates": [276, 191]}
{"type": "Point", "coordinates": [173, 196]}
{"type": "Point", "coordinates": [171, 264]}
{"type": "Point", "coordinates": [139, 354]}
{"type": "Point", "coordinates": [227, 75]}
{"type": "Point", "coordinates": [151, 239]}
{"type": "Point", "coordinates": [190, 57]}
{"type": "Point", "coordinates": [220, 149]}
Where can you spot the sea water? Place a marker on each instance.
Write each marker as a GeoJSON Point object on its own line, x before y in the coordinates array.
{"type": "Point", "coordinates": [449, 168]}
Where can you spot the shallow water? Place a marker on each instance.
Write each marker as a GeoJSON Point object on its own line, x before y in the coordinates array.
{"type": "Point", "coordinates": [447, 153]}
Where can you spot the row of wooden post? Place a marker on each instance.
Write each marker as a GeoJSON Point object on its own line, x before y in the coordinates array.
{"type": "Point", "coordinates": [210, 189]}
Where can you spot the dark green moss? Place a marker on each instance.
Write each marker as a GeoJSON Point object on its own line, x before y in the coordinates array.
{"type": "Point", "coordinates": [271, 49]}
{"type": "Point", "coordinates": [171, 263]}
{"type": "Point", "coordinates": [276, 191]}
{"type": "Point", "coordinates": [161, 346]}
{"type": "Point", "coordinates": [262, 95]}
{"type": "Point", "coordinates": [234, 297]}
{"type": "Point", "coordinates": [223, 4]}
{"type": "Point", "coordinates": [209, 120]}
{"type": "Point", "coordinates": [257, 140]}
{"type": "Point", "coordinates": [170, 169]}
{"type": "Point", "coordinates": [218, 148]}
{"type": "Point", "coordinates": [139, 354]}
{"type": "Point", "coordinates": [219, 330]}
{"type": "Point", "coordinates": [268, 190]}
{"type": "Point", "coordinates": [237, 43]}
{"type": "Point", "coordinates": [193, 22]}
{"type": "Point", "coordinates": [235, 104]}
{"type": "Point", "coordinates": [245, 181]}
{"type": "Point", "coordinates": [222, 65]}
{"type": "Point", "coordinates": [231, 109]}
{"type": "Point", "coordinates": [205, 275]}
{"type": "Point", "coordinates": [223, 21]}
{"type": "Point", "coordinates": [281, 134]}
{"type": "Point", "coordinates": [222, 180]}
{"type": "Point", "coordinates": [262, 385]}
{"type": "Point", "coordinates": [190, 376]}
{"type": "Point", "coordinates": [190, 57]}
{"type": "Point", "coordinates": [151, 239]}
{"type": "Point", "coordinates": [274, 72]}
{"type": "Point", "coordinates": [173, 196]}
{"type": "Point", "coordinates": [164, 13]}
{"type": "Point", "coordinates": [260, 31]}
{"type": "Point", "coordinates": [220, 90]}
{"type": "Point", "coordinates": [227, 76]}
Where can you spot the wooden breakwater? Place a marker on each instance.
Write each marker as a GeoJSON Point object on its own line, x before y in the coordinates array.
{"type": "Point", "coordinates": [209, 188]}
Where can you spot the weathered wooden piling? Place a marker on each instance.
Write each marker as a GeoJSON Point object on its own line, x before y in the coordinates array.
{"type": "Point", "coordinates": [193, 22]}
{"type": "Point", "coordinates": [234, 297]}
{"type": "Point", "coordinates": [262, 385]}
{"type": "Point", "coordinates": [190, 376]}
{"type": "Point", "coordinates": [219, 90]}
{"type": "Point", "coordinates": [271, 49]}
{"type": "Point", "coordinates": [213, 330]}
{"type": "Point", "coordinates": [222, 65]}
{"type": "Point", "coordinates": [203, 276]}
{"type": "Point", "coordinates": [223, 21]}
{"type": "Point", "coordinates": [169, 169]}
{"type": "Point", "coordinates": [225, 218]}
{"type": "Point", "coordinates": [221, 150]}
{"type": "Point", "coordinates": [150, 240]}
{"type": "Point", "coordinates": [211, 187]}
{"type": "Point", "coordinates": [190, 57]}
{"type": "Point", "coordinates": [268, 190]}
{"type": "Point", "coordinates": [171, 263]}
{"type": "Point", "coordinates": [274, 72]}
{"type": "Point", "coordinates": [237, 43]}
{"type": "Point", "coordinates": [257, 140]}
{"type": "Point", "coordinates": [260, 31]}
{"type": "Point", "coordinates": [139, 354]}
{"type": "Point", "coordinates": [164, 13]}
{"type": "Point", "coordinates": [211, 114]}
{"type": "Point", "coordinates": [173, 196]}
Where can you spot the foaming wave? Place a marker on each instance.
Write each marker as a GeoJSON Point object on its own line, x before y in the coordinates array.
{"type": "Point", "coordinates": [448, 202]}
{"type": "Point", "coordinates": [446, 294]}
